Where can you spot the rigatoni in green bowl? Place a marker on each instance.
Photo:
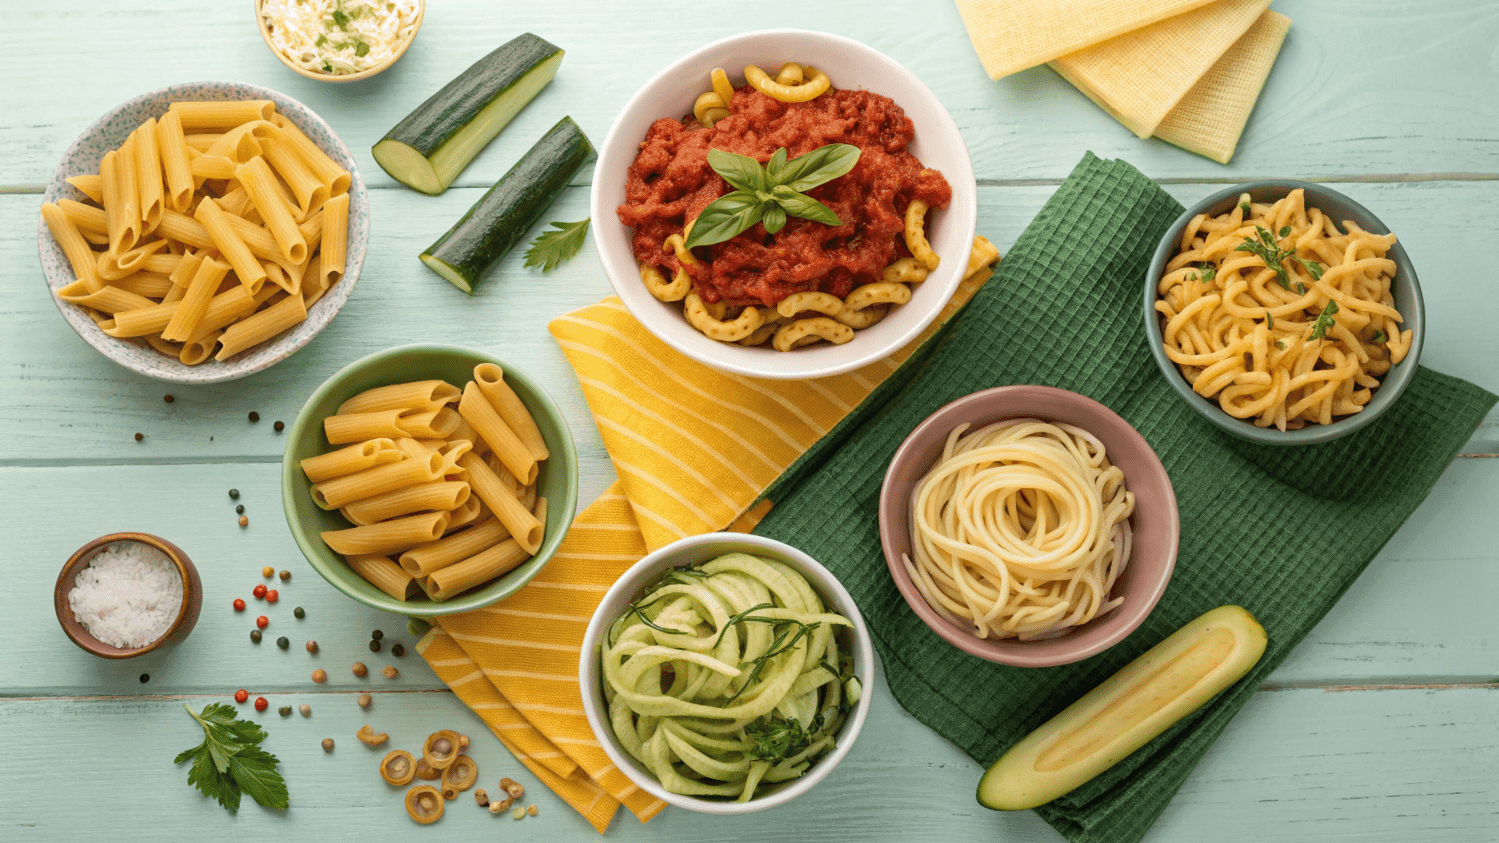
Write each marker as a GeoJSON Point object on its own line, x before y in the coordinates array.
{"type": "Point", "coordinates": [557, 479]}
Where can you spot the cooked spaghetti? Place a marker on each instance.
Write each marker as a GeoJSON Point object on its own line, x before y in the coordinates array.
{"type": "Point", "coordinates": [1283, 318]}
{"type": "Point", "coordinates": [1020, 530]}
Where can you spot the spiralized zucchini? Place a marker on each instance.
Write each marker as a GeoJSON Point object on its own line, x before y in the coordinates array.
{"type": "Point", "coordinates": [727, 678]}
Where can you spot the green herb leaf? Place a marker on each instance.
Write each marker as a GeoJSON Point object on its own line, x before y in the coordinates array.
{"type": "Point", "coordinates": [775, 738]}
{"type": "Point", "coordinates": [770, 194]}
{"type": "Point", "coordinates": [774, 218]}
{"type": "Point", "coordinates": [727, 216]}
{"type": "Point", "coordinates": [341, 20]}
{"type": "Point", "coordinates": [740, 171]}
{"type": "Point", "coordinates": [1312, 267]}
{"type": "Point", "coordinates": [1324, 320]}
{"type": "Point", "coordinates": [1208, 271]}
{"type": "Point", "coordinates": [1285, 231]}
{"type": "Point", "coordinates": [321, 40]}
{"type": "Point", "coordinates": [819, 166]}
{"type": "Point", "coordinates": [1269, 320]}
{"type": "Point", "coordinates": [1380, 336]}
{"type": "Point", "coordinates": [1244, 206]}
{"type": "Point", "coordinates": [1280, 345]}
{"type": "Point", "coordinates": [1300, 289]}
{"type": "Point", "coordinates": [361, 49]}
{"type": "Point", "coordinates": [551, 248]}
{"type": "Point", "coordinates": [229, 761]}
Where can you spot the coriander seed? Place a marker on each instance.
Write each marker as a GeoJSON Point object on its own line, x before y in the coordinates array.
{"type": "Point", "coordinates": [285, 576]}
{"type": "Point", "coordinates": [305, 709]}
{"type": "Point", "coordinates": [360, 669]}
{"type": "Point", "coordinates": [365, 700]}
{"type": "Point", "coordinates": [327, 744]}
{"type": "Point", "coordinates": [390, 672]}
{"type": "Point", "coordinates": [312, 646]}
{"type": "Point", "coordinates": [267, 572]}
{"type": "Point", "coordinates": [320, 675]}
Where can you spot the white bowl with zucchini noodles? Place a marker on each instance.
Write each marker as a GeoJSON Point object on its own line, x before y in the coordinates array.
{"type": "Point", "coordinates": [792, 704]}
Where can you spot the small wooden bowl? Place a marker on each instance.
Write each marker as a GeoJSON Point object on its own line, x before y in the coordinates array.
{"type": "Point", "coordinates": [187, 616]}
{"type": "Point", "coordinates": [319, 76]}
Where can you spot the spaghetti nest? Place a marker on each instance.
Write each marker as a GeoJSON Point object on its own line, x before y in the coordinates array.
{"type": "Point", "coordinates": [728, 677]}
{"type": "Point", "coordinates": [1020, 530]}
{"type": "Point", "coordinates": [1282, 317]}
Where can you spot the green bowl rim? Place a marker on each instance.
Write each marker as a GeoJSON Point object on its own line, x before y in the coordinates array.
{"type": "Point", "coordinates": [566, 459]}
{"type": "Point", "coordinates": [1389, 390]}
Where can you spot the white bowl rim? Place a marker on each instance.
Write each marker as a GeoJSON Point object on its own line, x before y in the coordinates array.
{"type": "Point", "coordinates": [210, 371]}
{"type": "Point", "coordinates": [636, 577]}
{"type": "Point", "coordinates": [822, 359]}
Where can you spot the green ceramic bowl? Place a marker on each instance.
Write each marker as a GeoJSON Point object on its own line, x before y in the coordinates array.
{"type": "Point", "coordinates": [1406, 289]}
{"type": "Point", "coordinates": [557, 480]}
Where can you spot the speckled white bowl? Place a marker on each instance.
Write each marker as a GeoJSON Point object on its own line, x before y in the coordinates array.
{"type": "Point", "coordinates": [107, 133]}
{"type": "Point", "coordinates": [850, 65]}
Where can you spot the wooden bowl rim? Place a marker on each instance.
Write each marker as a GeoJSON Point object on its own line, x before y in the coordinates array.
{"type": "Point", "coordinates": [69, 574]}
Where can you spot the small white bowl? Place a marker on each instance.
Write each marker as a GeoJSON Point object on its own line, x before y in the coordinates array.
{"type": "Point", "coordinates": [107, 133]}
{"type": "Point", "coordinates": [850, 65]}
{"type": "Point", "coordinates": [691, 551]}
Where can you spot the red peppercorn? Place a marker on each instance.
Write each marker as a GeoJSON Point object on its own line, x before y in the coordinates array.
{"type": "Point", "coordinates": [261, 703]}
{"type": "Point", "coordinates": [239, 605]}
{"type": "Point", "coordinates": [271, 596]}
{"type": "Point", "coordinates": [241, 695]}
{"type": "Point", "coordinates": [259, 591]}
{"type": "Point", "coordinates": [262, 621]}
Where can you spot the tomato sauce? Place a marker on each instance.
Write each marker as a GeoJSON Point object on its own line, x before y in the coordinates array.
{"type": "Point", "coordinates": [670, 182]}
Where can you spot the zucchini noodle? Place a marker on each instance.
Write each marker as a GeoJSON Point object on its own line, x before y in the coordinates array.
{"type": "Point", "coordinates": [727, 678]}
{"type": "Point", "coordinates": [1020, 530]}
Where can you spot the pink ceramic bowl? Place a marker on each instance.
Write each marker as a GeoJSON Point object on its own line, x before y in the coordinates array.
{"type": "Point", "coordinates": [1155, 522]}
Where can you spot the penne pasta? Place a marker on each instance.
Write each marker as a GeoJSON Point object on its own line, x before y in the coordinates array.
{"type": "Point", "coordinates": [219, 116]}
{"type": "Point", "coordinates": [335, 237]}
{"type": "Point", "coordinates": [345, 461]}
{"type": "Point", "coordinates": [261, 326]}
{"type": "Point", "coordinates": [471, 511]}
{"type": "Point", "coordinates": [524, 526]}
{"type": "Point", "coordinates": [491, 381]}
{"type": "Point", "coordinates": [439, 495]}
{"type": "Point", "coordinates": [77, 250]}
{"type": "Point", "coordinates": [325, 168]}
{"type": "Point", "coordinates": [343, 428]}
{"type": "Point", "coordinates": [106, 299]}
{"type": "Point", "coordinates": [424, 559]}
{"type": "Point", "coordinates": [477, 410]}
{"type": "Point", "coordinates": [480, 568]}
{"type": "Point", "coordinates": [172, 146]}
{"type": "Point", "coordinates": [417, 395]}
{"type": "Point", "coordinates": [91, 186]}
{"type": "Point", "coordinates": [120, 214]}
{"type": "Point", "coordinates": [430, 424]}
{"type": "Point", "coordinates": [310, 192]}
{"type": "Point", "coordinates": [386, 575]}
{"type": "Point", "coordinates": [153, 318]}
{"type": "Point", "coordinates": [194, 303]}
{"type": "Point", "coordinates": [229, 243]}
{"type": "Point", "coordinates": [388, 537]}
{"type": "Point", "coordinates": [148, 175]}
{"type": "Point", "coordinates": [259, 183]}
{"type": "Point", "coordinates": [342, 491]}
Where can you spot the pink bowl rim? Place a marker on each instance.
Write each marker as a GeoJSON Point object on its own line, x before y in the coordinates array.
{"type": "Point", "coordinates": [1093, 638]}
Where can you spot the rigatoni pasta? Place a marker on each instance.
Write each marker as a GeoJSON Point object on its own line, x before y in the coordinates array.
{"type": "Point", "coordinates": [231, 182]}
{"type": "Point", "coordinates": [413, 481]}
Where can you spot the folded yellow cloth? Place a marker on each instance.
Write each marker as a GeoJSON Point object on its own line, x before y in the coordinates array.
{"type": "Point", "coordinates": [1141, 75]}
{"type": "Point", "coordinates": [1211, 117]}
{"type": "Point", "coordinates": [1012, 35]}
{"type": "Point", "coordinates": [694, 449]}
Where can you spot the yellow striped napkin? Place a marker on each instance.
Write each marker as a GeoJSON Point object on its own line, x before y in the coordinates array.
{"type": "Point", "coordinates": [694, 449]}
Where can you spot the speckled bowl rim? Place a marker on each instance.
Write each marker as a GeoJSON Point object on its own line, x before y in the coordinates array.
{"type": "Point", "coordinates": [1147, 478]}
{"type": "Point", "coordinates": [83, 156]}
{"type": "Point", "coordinates": [182, 625]}
{"type": "Point", "coordinates": [295, 496]}
{"type": "Point", "coordinates": [692, 550]}
{"type": "Point", "coordinates": [265, 34]}
{"type": "Point", "coordinates": [939, 143]}
{"type": "Point", "coordinates": [1406, 289]}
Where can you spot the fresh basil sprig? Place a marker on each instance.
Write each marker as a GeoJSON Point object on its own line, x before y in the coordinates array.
{"type": "Point", "coordinates": [769, 194]}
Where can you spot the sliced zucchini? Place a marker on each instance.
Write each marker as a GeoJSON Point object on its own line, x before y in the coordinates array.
{"type": "Point", "coordinates": [504, 214]}
{"type": "Point", "coordinates": [1165, 684]}
{"type": "Point", "coordinates": [431, 146]}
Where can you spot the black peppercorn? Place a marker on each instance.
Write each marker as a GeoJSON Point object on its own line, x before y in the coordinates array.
{"type": "Point", "coordinates": [377, 635]}
{"type": "Point", "coordinates": [299, 612]}
{"type": "Point", "coordinates": [167, 398]}
{"type": "Point", "coordinates": [239, 509]}
{"type": "Point", "coordinates": [279, 426]}
{"type": "Point", "coordinates": [283, 642]}
{"type": "Point", "coordinates": [254, 416]}
{"type": "Point", "coordinates": [397, 650]}
{"type": "Point", "coordinates": [234, 494]}
{"type": "Point", "coordinates": [139, 436]}
{"type": "Point", "coordinates": [255, 635]}
{"type": "Point", "coordinates": [374, 646]}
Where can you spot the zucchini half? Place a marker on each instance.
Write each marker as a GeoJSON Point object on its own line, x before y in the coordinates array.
{"type": "Point", "coordinates": [504, 214]}
{"type": "Point", "coordinates": [431, 146]}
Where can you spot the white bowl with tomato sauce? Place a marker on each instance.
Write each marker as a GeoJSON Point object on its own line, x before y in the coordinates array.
{"type": "Point", "coordinates": [851, 66]}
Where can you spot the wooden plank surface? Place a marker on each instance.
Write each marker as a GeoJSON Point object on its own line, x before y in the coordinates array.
{"type": "Point", "coordinates": [1379, 727]}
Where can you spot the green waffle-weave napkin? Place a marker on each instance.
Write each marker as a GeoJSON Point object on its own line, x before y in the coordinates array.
{"type": "Point", "coordinates": [1280, 531]}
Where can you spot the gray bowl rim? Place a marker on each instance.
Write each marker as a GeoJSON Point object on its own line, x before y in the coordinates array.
{"type": "Point", "coordinates": [1394, 382]}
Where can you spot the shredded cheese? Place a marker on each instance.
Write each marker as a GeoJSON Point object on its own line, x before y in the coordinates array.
{"type": "Point", "coordinates": [339, 37]}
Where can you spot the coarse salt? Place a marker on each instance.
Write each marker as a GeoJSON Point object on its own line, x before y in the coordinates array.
{"type": "Point", "coordinates": [128, 596]}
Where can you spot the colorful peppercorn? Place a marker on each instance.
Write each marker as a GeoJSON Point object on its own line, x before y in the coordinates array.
{"type": "Point", "coordinates": [259, 591]}
{"type": "Point", "coordinates": [234, 494]}
{"type": "Point", "coordinates": [284, 711]}
{"type": "Point", "coordinates": [239, 605]}
{"type": "Point", "coordinates": [299, 612]}
{"type": "Point", "coordinates": [267, 572]}
{"type": "Point", "coordinates": [272, 596]}
{"type": "Point", "coordinates": [261, 703]}
{"type": "Point", "coordinates": [320, 675]}
{"type": "Point", "coordinates": [241, 695]}
{"type": "Point", "coordinates": [312, 646]}
{"type": "Point", "coordinates": [285, 576]}
{"type": "Point", "coordinates": [262, 621]}
{"type": "Point", "coordinates": [283, 642]}
{"type": "Point", "coordinates": [244, 521]}
{"type": "Point", "coordinates": [360, 669]}
{"type": "Point", "coordinates": [255, 635]}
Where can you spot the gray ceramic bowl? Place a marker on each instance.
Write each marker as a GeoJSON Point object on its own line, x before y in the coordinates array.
{"type": "Point", "coordinates": [1407, 289]}
{"type": "Point", "coordinates": [1156, 523]}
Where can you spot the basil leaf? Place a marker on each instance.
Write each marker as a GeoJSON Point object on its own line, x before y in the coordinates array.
{"type": "Point", "coordinates": [774, 219]}
{"type": "Point", "coordinates": [801, 205]}
{"type": "Point", "coordinates": [819, 166]}
{"type": "Point", "coordinates": [740, 171]}
{"type": "Point", "coordinates": [726, 217]}
{"type": "Point", "coordinates": [775, 166]}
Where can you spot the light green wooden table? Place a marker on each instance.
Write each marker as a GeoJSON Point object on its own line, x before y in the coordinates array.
{"type": "Point", "coordinates": [1382, 726]}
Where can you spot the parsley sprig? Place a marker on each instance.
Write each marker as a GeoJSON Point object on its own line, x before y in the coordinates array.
{"type": "Point", "coordinates": [230, 761]}
{"type": "Point", "coordinates": [1267, 247]}
{"type": "Point", "coordinates": [774, 738]}
{"type": "Point", "coordinates": [770, 194]}
{"type": "Point", "coordinates": [551, 248]}
{"type": "Point", "coordinates": [1324, 320]}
